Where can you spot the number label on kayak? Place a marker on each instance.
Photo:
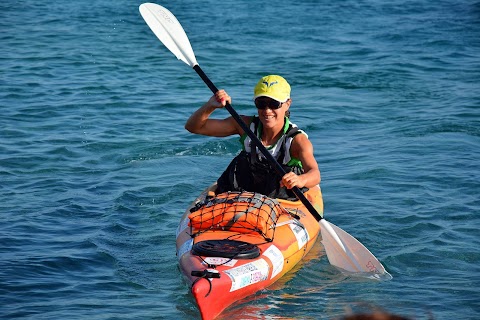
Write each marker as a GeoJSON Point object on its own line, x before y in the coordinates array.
{"type": "Point", "coordinates": [185, 247]}
{"type": "Point", "coordinates": [248, 274]}
{"type": "Point", "coordinates": [300, 233]}
{"type": "Point", "coordinates": [276, 257]}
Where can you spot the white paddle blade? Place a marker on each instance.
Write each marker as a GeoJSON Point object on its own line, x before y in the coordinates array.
{"type": "Point", "coordinates": [167, 28]}
{"type": "Point", "coordinates": [347, 253]}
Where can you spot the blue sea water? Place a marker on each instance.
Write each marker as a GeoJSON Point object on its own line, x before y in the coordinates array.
{"type": "Point", "coordinates": [96, 167]}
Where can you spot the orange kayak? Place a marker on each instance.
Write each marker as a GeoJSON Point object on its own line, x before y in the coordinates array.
{"type": "Point", "coordinates": [232, 245]}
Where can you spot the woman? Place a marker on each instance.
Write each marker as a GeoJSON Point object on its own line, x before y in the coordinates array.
{"type": "Point", "coordinates": [249, 171]}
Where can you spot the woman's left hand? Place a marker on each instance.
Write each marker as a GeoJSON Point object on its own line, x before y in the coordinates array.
{"type": "Point", "coordinates": [291, 180]}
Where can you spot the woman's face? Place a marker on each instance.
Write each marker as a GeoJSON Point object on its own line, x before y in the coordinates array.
{"type": "Point", "coordinates": [271, 112]}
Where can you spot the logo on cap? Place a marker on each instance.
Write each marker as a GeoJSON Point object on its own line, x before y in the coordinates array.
{"type": "Point", "coordinates": [270, 84]}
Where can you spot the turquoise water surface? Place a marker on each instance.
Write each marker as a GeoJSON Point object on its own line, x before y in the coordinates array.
{"type": "Point", "coordinates": [96, 167]}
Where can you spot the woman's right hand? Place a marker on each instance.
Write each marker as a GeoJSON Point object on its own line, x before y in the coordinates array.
{"type": "Point", "coordinates": [220, 99]}
{"type": "Point", "coordinates": [200, 122]}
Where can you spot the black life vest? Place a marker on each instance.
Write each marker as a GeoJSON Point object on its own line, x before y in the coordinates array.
{"type": "Point", "coordinates": [250, 172]}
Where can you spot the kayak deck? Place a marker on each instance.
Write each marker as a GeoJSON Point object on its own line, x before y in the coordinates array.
{"type": "Point", "coordinates": [226, 260]}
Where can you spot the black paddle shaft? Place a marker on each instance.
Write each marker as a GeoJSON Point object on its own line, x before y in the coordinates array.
{"type": "Point", "coordinates": [278, 168]}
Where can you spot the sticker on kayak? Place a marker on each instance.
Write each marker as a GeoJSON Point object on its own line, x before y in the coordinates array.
{"type": "Point", "coordinates": [219, 261]}
{"type": "Point", "coordinates": [182, 226]}
{"type": "Point", "coordinates": [276, 257]}
{"type": "Point", "coordinates": [248, 274]}
{"type": "Point", "coordinates": [185, 247]}
{"type": "Point", "coordinates": [300, 233]}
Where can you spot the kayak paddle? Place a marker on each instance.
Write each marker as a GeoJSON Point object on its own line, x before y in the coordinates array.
{"type": "Point", "coordinates": [343, 250]}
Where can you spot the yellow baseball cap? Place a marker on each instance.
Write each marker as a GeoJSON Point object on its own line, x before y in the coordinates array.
{"type": "Point", "coordinates": [272, 86]}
